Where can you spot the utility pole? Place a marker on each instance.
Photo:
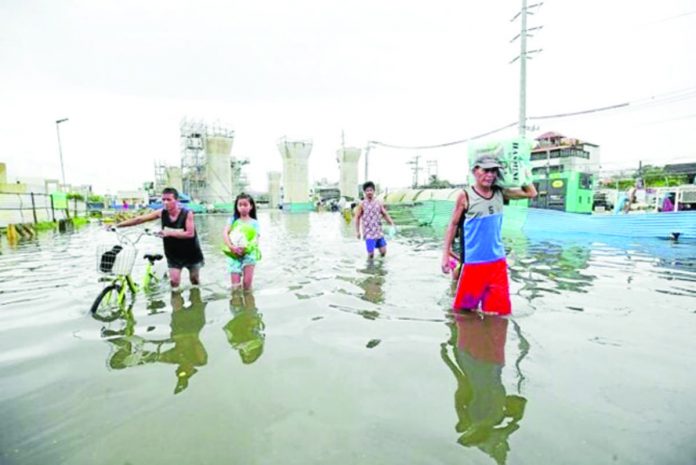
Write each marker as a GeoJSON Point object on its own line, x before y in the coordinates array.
{"type": "Point", "coordinates": [60, 149]}
{"type": "Point", "coordinates": [523, 56]}
{"type": "Point", "coordinates": [415, 169]}
{"type": "Point", "coordinates": [432, 168]}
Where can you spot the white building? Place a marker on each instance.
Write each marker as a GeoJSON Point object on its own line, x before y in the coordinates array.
{"type": "Point", "coordinates": [556, 153]}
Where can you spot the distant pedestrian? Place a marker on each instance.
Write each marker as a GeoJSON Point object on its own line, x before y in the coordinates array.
{"type": "Point", "coordinates": [370, 212]}
{"type": "Point", "coordinates": [632, 195]}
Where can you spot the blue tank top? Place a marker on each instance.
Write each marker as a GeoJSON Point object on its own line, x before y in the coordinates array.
{"type": "Point", "coordinates": [482, 238]}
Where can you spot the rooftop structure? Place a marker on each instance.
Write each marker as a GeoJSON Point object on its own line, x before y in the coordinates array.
{"type": "Point", "coordinates": [555, 153]}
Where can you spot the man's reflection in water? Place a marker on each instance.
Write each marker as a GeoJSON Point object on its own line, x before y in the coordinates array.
{"type": "Point", "coordinates": [487, 416]}
{"type": "Point", "coordinates": [188, 351]}
{"type": "Point", "coordinates": [372, 284]}
{"type": "Point", "coordinates": [245, 330]}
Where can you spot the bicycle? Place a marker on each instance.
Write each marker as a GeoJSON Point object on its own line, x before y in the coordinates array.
{"type": "Point", "coordinates": [115, 264]}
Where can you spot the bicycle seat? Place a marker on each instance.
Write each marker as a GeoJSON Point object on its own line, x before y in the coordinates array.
{"type": "Point", "coordinates": [153, 257]}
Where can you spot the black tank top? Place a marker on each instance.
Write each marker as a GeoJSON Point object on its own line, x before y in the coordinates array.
{"type": "Point", "coordinates": [186, 251]}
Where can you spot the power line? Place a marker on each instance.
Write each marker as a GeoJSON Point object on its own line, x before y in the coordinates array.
{"type": "Point", "coordinates": [638, 104]}
{"type": "Point", "coordinates": [670, 18]}
{"type": "Point", "coordinates": [582, 112]}
{"type": "Point", "coordinates": [659, 99]}
{"type": "Point", "coordinates": [446, 144]}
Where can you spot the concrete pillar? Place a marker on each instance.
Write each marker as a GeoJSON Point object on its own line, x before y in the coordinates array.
{"type": "Point", "coordinates": [295, 175]}
{"type": "Point", "coordinates": [348, 158]}
{"type": "Point", "coordinates": [172, 175]}
{"type": "Point", "coordinates": [273, 189]}
{"type": "Point", "coordinates": [239, 182]}
{"type": "Point", "coordinates": [218, 173]}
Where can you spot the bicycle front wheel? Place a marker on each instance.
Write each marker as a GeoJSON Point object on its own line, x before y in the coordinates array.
{"type": "Point", "coordinates": [107, 298]}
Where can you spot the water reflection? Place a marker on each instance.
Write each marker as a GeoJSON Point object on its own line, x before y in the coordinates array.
{"type": "Point", "coordinates": [372, 284]}
{"type": "Point", "coordinates": [245, 330]}
{"type": "Point", "coordinates": [547, 266]}
{"type": "Point", "coordinates": [487, 416]}
{"type": "Point", "coordinates": [188, 351]}
{"type": "Point", "coordinates": [182, 348]}
{"type": "Point", "coordinates": [128, 349]}
{"type": "Point", "coordinates": [296, 224]}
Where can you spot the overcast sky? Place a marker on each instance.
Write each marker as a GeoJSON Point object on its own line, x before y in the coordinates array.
{"type": "Point", "coordinates": [409, 73]}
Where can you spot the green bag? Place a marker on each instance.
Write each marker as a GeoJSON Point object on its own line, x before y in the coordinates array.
{"type": "Point", "coordinates": [243, 234]}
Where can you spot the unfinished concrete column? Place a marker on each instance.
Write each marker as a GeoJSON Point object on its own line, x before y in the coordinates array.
{"type": "Point", "coordinates": [348, 158]}
{"type": "Point", "coordinates": [218, 173]}
{"type": "Point", "coordinates": [295, 175]}
{"type": "Point", "coordinates": [274, 189]}
{"type": "Point", "coordinates": [172, 175]}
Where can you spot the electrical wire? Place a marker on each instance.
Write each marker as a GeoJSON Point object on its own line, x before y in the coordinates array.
{"type": "Point", "coordinates": [635, 105]}
{"type": "Point", "coordinates": [446, 144]}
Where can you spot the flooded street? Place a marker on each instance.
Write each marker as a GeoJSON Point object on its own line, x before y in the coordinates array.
{"type": "Point", "coordinates": [336, 360]}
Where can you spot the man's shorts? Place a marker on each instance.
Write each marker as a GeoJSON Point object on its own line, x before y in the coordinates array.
{"type": "Point", "coordinates": [236, 265]}
{"type": "Point", "coordinates": [373, 244]}
{"type": "Point", "coordinates": [485, 284]}
{"type": "Point", "coordinates": [179, 264]}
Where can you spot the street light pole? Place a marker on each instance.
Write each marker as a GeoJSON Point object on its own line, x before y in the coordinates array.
{"type": "Point", "coordinates": [60, 149]}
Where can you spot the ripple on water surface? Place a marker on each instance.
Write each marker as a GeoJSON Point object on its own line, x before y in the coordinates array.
{"type": "Point", "coordinates": [337, 359]}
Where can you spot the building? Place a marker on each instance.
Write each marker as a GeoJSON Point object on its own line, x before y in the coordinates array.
{"type": "Point", "coordinates": [555, 153]}
{"type": "Point", "coordinates": [132, 198]}
{"type": "Point", "coordinates": [686, 169]}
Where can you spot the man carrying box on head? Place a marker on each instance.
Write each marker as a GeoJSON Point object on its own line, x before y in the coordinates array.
{"type": "Point", "coordinates": [483, 279]}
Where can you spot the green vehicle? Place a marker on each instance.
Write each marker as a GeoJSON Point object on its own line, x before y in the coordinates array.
{"type": "Point", "coordinates": [567, 191]}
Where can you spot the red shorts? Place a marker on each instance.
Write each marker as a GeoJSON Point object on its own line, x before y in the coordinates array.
{"type": "Point", "coordinates": [485, 284]}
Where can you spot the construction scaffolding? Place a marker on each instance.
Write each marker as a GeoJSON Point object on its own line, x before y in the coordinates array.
{"type": "Point", "coordinates": [206, 164]}
{"type": "Point", "coordinates": [160, 177]}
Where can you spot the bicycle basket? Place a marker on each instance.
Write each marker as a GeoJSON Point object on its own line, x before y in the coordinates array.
{"type": "Point", "coordinates": [115, 259]}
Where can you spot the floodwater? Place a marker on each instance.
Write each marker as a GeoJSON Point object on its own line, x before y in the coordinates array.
{"type": "Point", "coordinates": [335, 360]}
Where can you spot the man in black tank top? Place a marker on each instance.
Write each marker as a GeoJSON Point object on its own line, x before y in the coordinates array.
{"type": "Point", "coordinates": [181, 246]}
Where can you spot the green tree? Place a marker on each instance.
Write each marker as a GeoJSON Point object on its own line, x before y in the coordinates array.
{"type": "Point", "coordinates": [435, 183]}
{"type": "Point", "coordinates": [75, 195]}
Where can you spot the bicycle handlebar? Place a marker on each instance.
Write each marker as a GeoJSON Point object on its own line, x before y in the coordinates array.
{"type": "Point", "coordinates": [124, 237]}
